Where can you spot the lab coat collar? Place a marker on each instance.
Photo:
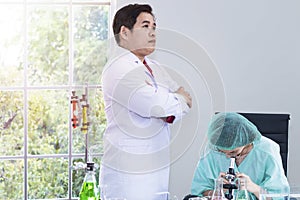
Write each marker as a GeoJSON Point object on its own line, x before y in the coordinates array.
{"type": "Point", "coordinates": [121, 52]}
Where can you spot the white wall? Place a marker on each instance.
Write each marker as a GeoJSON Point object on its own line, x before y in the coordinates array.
{"type": "Point", "coordinates": [255, 46]}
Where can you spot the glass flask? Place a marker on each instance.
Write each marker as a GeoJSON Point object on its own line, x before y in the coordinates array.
{"type": "Point", "coordinates": [242, 193]}
{"type": "Point", "coordinates": [218, 193]}
{"type": "Point", "coordinates": [89, 189]}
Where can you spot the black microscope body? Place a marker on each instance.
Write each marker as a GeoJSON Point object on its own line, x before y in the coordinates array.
{"type": "Point", "coordinates": [230, 177]}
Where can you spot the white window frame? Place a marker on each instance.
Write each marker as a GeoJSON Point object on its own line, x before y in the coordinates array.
{"type": "Point", "coordinates": [26, 88]}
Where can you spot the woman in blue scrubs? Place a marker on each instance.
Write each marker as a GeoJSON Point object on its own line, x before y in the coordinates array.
{"type": "Point", "coordinates": [258, 158]}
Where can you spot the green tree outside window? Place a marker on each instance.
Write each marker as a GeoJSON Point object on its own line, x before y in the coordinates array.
{"type": "Point", "coordinates": [57, 48]}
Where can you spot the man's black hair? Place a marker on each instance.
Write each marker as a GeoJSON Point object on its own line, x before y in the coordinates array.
{"type": "Point", "coordinates": [126, 16]}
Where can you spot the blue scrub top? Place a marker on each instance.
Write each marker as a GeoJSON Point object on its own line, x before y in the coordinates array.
{"type": "Point", "coordinates": [263, 165]}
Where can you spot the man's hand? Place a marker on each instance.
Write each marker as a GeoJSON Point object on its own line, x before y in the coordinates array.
{"type": "Point", "coordinates": [186, 96]}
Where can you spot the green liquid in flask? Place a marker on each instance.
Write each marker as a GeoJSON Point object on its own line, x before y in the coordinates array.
{"type": "Point", "coordinates": [88, 191]}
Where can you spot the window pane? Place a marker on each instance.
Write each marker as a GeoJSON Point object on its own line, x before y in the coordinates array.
{"type": "Point", "coordinates": [11, 179]}
{"type": "Point", "coordinates": [96, 128]}
{"type": "Point", "coordinates": [48, 45]}
{"type": "Point", "coordinates": [48, 122]}
{"type": "Point", "coordinates": [11, 41]}
{"type": "Point", "coordinates": [47, 178]}
{"type": "Point", "coordinates": [90, 43]}
{"type": "Point", "coordinates": [11, 123]}
{"type": "Point", "coordinates": [42, 45]}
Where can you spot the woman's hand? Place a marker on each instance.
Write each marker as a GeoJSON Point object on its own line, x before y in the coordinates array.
{"type": "Point", "coordinates": [251, 186]}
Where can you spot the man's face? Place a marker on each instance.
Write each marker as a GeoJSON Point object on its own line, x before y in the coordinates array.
{"type": "Point", "coordinates": [142, 38]}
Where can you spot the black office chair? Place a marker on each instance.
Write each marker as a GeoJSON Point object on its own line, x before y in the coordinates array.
{"type": "Point", "coordinates": [275, 127]}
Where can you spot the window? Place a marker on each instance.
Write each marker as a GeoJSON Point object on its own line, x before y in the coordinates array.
{"type": "Point", "coordinates": [49, 48]}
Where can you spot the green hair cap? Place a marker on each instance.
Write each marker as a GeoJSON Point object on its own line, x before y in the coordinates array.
{"type": "Point", "coordinates": [228, 131]}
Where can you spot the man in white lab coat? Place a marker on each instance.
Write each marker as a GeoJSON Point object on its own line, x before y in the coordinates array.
{"type": "Point", "coordinates": [141, 101]}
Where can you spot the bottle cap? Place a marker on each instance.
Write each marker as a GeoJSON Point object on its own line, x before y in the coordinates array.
{"type": "Point", "coordinates": [90, 166]}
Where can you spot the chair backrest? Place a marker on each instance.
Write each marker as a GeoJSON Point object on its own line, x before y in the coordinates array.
{"type": "Point", "coordinates": [275, 127]}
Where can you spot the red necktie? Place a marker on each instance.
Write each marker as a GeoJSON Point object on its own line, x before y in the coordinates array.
{"type": "Point", "coordinates": [147, 66]}
{"type": "Point", "coordinates": [168, 119]}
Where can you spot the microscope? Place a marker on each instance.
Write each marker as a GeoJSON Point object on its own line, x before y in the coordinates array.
{"type": "Point", "coordinates": [230, 177]}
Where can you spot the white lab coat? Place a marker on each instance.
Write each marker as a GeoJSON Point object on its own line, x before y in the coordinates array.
{"type": "Point", "coordinates": [135, 164]}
